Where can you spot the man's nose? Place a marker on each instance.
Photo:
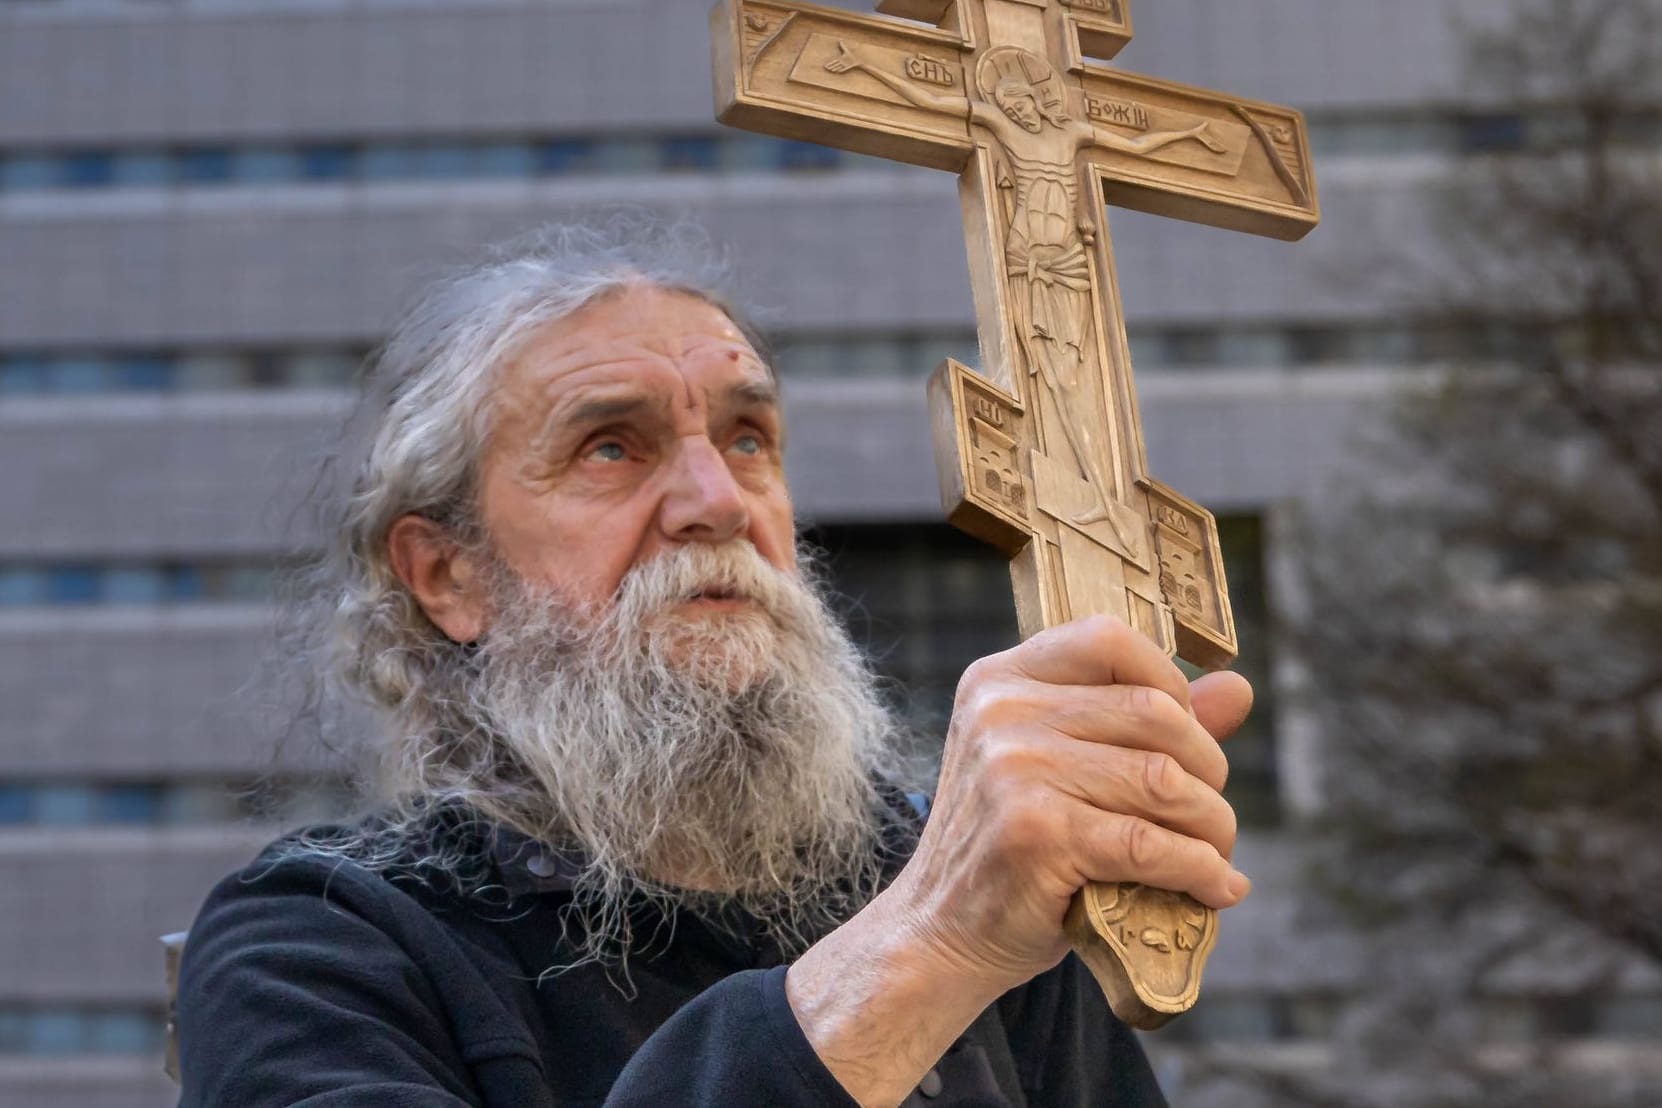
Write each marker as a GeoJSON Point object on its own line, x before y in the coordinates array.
{"type": "Point", "coordinates": [703, 502]}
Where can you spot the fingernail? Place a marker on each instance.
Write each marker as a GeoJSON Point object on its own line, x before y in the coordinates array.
{"type": "Point", "coordinates": [1239, 885]}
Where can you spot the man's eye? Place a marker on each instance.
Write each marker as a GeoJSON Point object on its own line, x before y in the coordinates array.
{"type": "Point", "coordinates": [747, 444]}
{"type": "Point", "coordinates": [608, 452]}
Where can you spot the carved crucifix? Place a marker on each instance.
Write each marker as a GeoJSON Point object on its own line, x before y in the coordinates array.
{"type": "Point", "coordinates": [1042, 453]}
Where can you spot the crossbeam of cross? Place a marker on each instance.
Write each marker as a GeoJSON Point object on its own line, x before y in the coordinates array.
{"type": "Point", "coordinates": [1041, 454]}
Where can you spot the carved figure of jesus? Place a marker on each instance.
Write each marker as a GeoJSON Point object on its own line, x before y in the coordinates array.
{"type": "Point", "coordinates": [1046, 249]}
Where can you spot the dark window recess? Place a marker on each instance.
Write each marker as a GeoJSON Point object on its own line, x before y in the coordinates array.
{"type": "Point", "coordinates": [205, 165]}
{"type": "Point", "coordinates": [328, 163]}
{"type": "Point", "coordinates": [690, 152]}
{"type": "Point", "coordinates": [73, 585]}
{"type": "Point", "coordinates": [145, 373]}
{"type": "Point", "coordinates": [1493, 132]}
{"type": "Point", "coordinates": [87, 169]}
{"type": "Point", "coordinates": [565, 156]}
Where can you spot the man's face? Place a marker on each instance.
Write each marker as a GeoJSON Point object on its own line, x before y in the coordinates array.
{"type": "Point", "coordinates": [642, 423]}
{"type": "Point", "coordinates": [1020, 106]}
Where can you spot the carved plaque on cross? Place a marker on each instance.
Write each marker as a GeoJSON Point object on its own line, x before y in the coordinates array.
{"type": "Point", "coordinates": [1041, 454]}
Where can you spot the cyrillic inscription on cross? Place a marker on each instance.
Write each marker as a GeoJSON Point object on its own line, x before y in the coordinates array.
{"type": "Point", "coordinates": [1042, 454]}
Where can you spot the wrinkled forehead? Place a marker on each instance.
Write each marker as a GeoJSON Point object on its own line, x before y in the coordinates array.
{"type": "Point", "coordinates": [647, 322]}
{"type": "Point", "coordinates": [638, 341]}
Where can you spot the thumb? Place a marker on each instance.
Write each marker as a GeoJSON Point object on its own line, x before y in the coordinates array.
{"type": "Point", "coordinates": [1221, 702]}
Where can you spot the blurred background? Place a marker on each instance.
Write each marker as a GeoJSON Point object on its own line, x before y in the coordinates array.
{"type": "Point", "coordinates": [1432, 434]}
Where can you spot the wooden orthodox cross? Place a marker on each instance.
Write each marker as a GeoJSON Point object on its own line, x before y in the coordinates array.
{"type": "Point", "coordinates": [1042, 454]}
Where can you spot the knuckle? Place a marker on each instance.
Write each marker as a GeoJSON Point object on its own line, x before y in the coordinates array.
{"type": "Point", "coordinates": [1108, 630]}
{"type": "Point", "coordinates": [995, 704]}
{"type": "Point", "coordinates": [1164, 780]}
{"type": "Point", "coordinates": [1009, 762]}
{"type": "Point", "coordinates": [1145, 848]}
{"type": "Point", "coordinates": [981, 678]}
{"type": "Point", "coordinates": [1155, 708]}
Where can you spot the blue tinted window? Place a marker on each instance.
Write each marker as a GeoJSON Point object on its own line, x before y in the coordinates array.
{"type": "Point", "coordinates": [29, 171]}
{"type": "Point", "coordinates": [240, 584]}
{"type": "Point", "coordinates": [748, 152]}
{"type": "Point", "coordinates": [151, 168]}
{"type": "Point", "coordinates": [207, 164]}
{"type": "Point", "coordinates": [14, 804]}
{"type": "Point", "coordinates": [806, 155]}
{"type": "Point", "coordinates": [124, 1033]}
{"type": "Point", "coordinates": [184, 583]}
{"type": "Point", "coordinates": [21, 374]}
{"type": "Point", "coordinates": [87, 169]}
{"type": "Point", "coordinates": [626, 155]}
{"type": "Point", "coordinates": [19, 586]}
{"type": "Point", "coordinates": [130, 804]}
{"type": "Point", "coordinates": [135, 585]}
{"type": "Point", "coordinates": [442, 162]}
{"type": "Point", "coordinates": [566, 156]}
{"type": "Point", "coordinates": [266, 165]}
{"type": "Point", "coordinates": [507, 159]}
{"type": "Point", "coordinates": [79, 374]}
{"type": "Point", "coordinates": [387, 163]}
{"type": "Point", "coordinates": [144, 372]}
{"type": "Point", "coordinates": [73, 585]}
{"type": "Point", "coordinates": [56, 1032]}
{"type": "Point", "coordinates": [65, 804]}
{"type": "Point", "coordinates": [689, 152]}
{"type": "Point", "coordinates": [328, 163]}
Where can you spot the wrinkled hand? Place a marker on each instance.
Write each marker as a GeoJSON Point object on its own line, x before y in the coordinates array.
{"type": "Point", "coordinates": [1081, 755]}
{"type": "Point", "coordinates": [845, 61]}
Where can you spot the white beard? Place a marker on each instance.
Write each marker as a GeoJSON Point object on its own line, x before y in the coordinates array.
{"type": "Point", "coordinates": [733, 752]}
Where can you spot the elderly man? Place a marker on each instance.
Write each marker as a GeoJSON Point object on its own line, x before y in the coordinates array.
{"type": "Point", "coordinates": [641, 832]}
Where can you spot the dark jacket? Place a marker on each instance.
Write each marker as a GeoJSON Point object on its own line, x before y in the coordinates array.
{"type": "Point", "coordinates": [317, 982]}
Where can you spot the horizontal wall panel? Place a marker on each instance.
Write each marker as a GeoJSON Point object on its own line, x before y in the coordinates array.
{"type": "Point", "coordinates": [130, 476]}
{"type": "Point", "coordinates": [176, 73]}
{"type": "Point", "coordinates": [143, 694]}
{"type": "Point", "coordinates": [65, 886]}
{"type": "Point", "coordinates": [838, 252]}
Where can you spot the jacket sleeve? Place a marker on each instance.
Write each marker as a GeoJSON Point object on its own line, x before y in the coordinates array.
{"type": "Point", "coordinates": [737, 1043]}
{"type": "Point", "coordinates": [292, 992]}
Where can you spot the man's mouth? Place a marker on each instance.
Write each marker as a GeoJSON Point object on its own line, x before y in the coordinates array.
{"type": "Point", "coordinates": [717, 593]}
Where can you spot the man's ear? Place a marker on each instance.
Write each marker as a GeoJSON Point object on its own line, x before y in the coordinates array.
{"type": "Point", "coordinates": [444, 578]}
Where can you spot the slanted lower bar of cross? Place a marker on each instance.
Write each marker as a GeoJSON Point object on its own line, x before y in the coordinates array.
{"type": "Point", "coordinates": [1041, 454]}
